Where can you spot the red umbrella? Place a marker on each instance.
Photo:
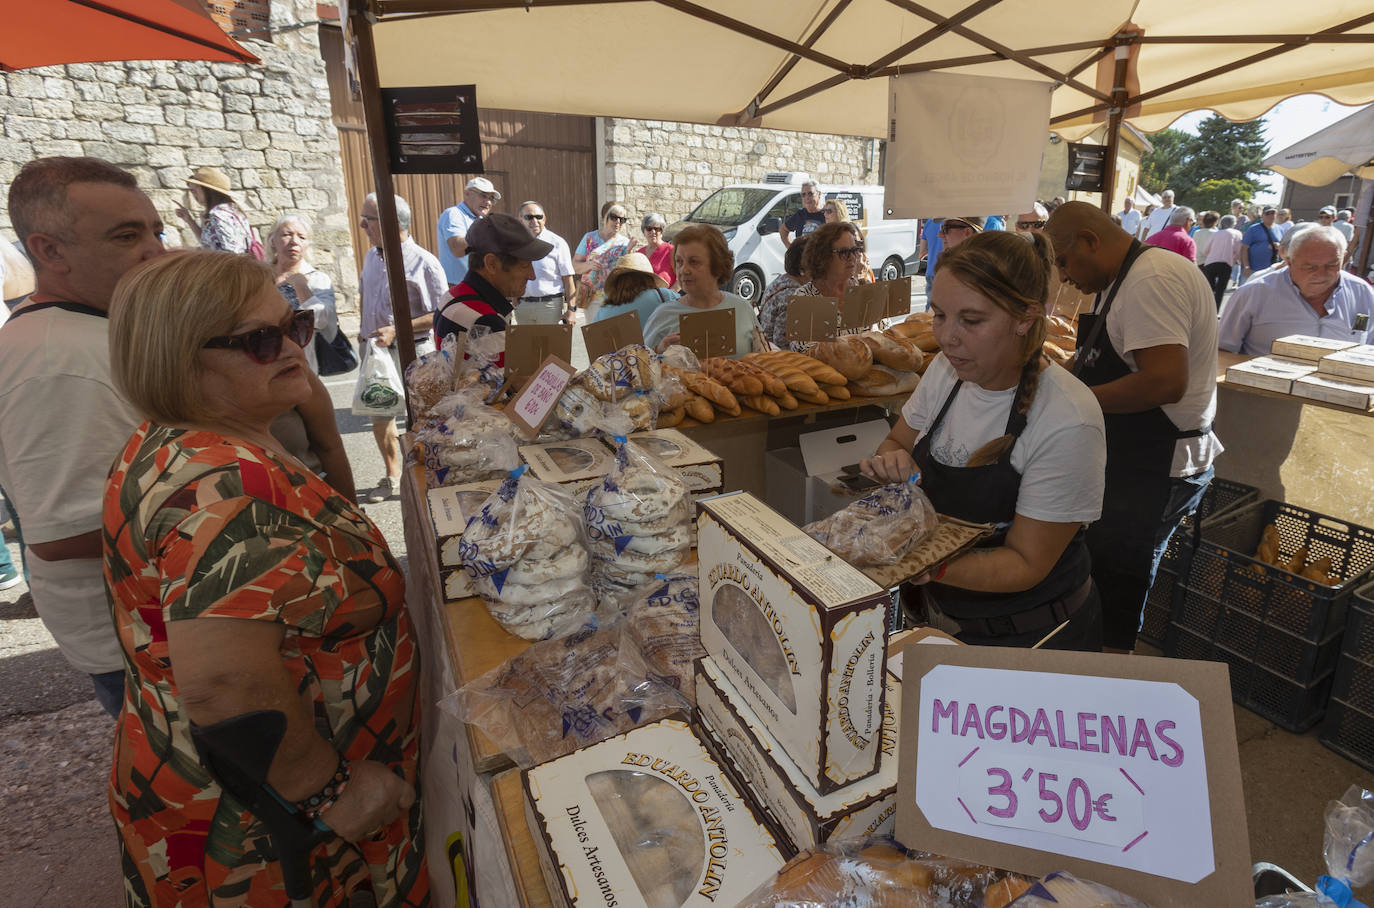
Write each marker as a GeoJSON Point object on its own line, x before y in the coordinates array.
{"type": "Point", "coordinates": [48, 32]}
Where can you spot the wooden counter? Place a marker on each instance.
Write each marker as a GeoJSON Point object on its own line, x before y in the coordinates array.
{"type": "Point", "coordinates": [509, 795]}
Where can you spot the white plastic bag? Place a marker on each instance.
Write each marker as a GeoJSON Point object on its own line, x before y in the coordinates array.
{"type": "Point", "coordinates": [880, 528]}
{"type": "Point", "coordinates": [638, 519]}
{"type": "Point", "coordinates": [379, 391]}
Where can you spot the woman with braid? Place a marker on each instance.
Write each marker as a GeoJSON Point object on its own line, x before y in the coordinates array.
{"type": "Point", "coordinates": [1001, 435]}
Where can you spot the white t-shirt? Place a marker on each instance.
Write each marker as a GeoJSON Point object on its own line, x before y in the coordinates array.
{"type": "Point", "coordinates": [1061, 455]}
{"type": "Point", "coordinates": [62, 423]}
{"type": "Point", "coordinates": [552, 268]}
{"type": "Point", "coordinates": [1165, 300]}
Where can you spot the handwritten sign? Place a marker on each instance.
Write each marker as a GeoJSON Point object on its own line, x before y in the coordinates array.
{"type": "Point", "coordinates": [864, 306]}
{"type": "Point", "coordinates": [898, 297]}
{"type": "Point", "coordinates": [528, 346]}
{"type": "Point", "coordinates": [708, 333]}
{"type": "Point", "coordinates": [1120, 771]}
{"type": "Point", "coordinates": [612, 334]}
{"type": "Point", "coordinates": [812, 318]}
{"type": "Point", "coordinates": [539, 396]}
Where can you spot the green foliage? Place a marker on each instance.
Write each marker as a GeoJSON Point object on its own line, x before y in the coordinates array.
{"type": "Point", "coordinates": [1222, 154]}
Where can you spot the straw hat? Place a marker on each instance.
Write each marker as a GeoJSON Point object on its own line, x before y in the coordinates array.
{"type": "Point", "coordinates": [211, 178]}
{"type": "Point", "coordinates": [636, 261]}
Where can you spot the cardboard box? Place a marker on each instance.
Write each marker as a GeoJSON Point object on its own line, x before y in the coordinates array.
{"type": "Point", "coordinates": [703, 471]}
{"type": "Point", "coordinates": [1344, 392]}
{"type": "Point", "coordinates": [800, 482]}
{"type": "Point", "coordinates": [578, 463]}
{"type": "Point", "coordinates": [646, 818]}
{"type": "Point", "coordinates": [805, 816]}
{"type": "Point", "coordinates": [1355, 362]}
{"type": "Point", "coordinates": [456, 584]}
{"type": "Point", "coordinates": [797, 632]}
{"type": "Point", "coordinates": [1272, 373]}
{"type": "Point", "coordinates": [1312, 349]}
{"type": "Point", "coordinates": [449, 510]}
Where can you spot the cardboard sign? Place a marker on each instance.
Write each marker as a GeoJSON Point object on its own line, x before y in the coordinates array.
{"type": "Point", "coordinates": [864, 306]}
{"type": "Point", "coordinates": [611, 334]}
{"type": "Point", "coordinates": [898, 297]}
{"type": "Point", "coordinates": [432, 129]}
{"type": "Point", "coordinates": [708, 333]}
{"type": "Point", "coordinates": [812, 318]}
{"type": "Point", "coordinates": [528, 346]}
{"type": "Point", "coordinates": [540, 394]}
{"type": "Point", "coordinates": [1121, 771]}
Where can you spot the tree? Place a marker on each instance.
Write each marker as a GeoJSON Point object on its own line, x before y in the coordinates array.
{"type": "Point", "coordinates": [1221, 154]}
{"type": "Point", "coordinates": [1158, 167]}
{"type": "Point", "coordinates": [1216, 195]}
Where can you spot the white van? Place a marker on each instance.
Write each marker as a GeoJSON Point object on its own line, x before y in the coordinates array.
{"type": "Point", "coordinates": [749, 215]}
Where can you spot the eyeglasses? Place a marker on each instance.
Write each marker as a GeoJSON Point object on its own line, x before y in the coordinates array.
{"type": "Point", "coordinates": [947, 226]}
{"type": "Point", "coordinates": [619, 219]}
{"type": "Point", "coordinates": [810, 195]}
{"type": "Point", "coordinates": [1030, 225]}
{"type": "Point", "coordinates": [653, 229]}
{"type": "Point", "coordinates": [533, 217]}
{"type": "Point", "coordinates": [849, 252]}
{"type": "Point", "coordinates": [263, 345]}
{"type": "Point", "coordinates": [369, 217]}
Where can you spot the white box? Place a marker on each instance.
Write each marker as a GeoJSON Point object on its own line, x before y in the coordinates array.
{"type": "Point", "coordinates": [1355, 362]}
{"type": "Point", "coordinates": [1312, 349]}
{"type": "Point", "coordinates": [577, 464]}
{"type": "Point", "coordinates": [703, 471]}
{"type": "Point", "coordinates": [804, 815]}
{"type": "Point", "coordinates": [604, 819]}
{"type": "Point", "coordinates": [800, 482]}
{"type": "Point", "coordinates": [1341, 391]}
{"type": "Point", "coordinates": [1272, 373]}
{"type": "Point", "coordinates": [449, 510]}
{"type": "Point", "coordinates": [798, 632]}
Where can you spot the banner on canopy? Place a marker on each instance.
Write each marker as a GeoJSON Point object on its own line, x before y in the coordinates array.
{"type": "Point", "coordinates": [964, 145]}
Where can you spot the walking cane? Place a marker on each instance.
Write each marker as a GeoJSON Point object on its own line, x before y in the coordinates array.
{"type": "Point", "coordinates": [237, 752]}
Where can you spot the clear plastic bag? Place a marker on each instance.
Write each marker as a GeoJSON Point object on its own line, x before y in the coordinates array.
{"type": "Point", "coordinates": [633, 369]}
{"type": "Point", "coordinates": [880, 528]}
{"type": "Point", "coordinates": [639, 521]}
{"type": "Point", "coordinates": [465, 441]}
{"type": "Point", "coordinates": [1063, 890]}
{"type": "Point", "coordinates": [878, 872]}
{"type": "Point", "coordinates": [680, 357]}
{"type": "Point", "coordinates": [660, 626]}
{"type": "Point", "coordinates": [483, 354]}
{"type": "Point", "coordinates": [1348, 847]}
{"type": "Point", "coordinates": [430, 378]}
{"type": "Point", "coordinates": [527, 557]}
{"type": "Point", "coordinates": [564, 694]}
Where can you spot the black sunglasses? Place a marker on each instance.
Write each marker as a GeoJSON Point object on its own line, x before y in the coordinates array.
{"type": "Point", "coordinates": [850, 252]}
{"type": "Point", "coordinates": [263, 345]}
{"type": "Point", "coordinates": [617, 218]}
{"type": "Point", "coordinates": [954, 225]}
{"type": "Point", "coordinates": [533, 217]}
{"type": "Point", "coordinates": [1029, 225]}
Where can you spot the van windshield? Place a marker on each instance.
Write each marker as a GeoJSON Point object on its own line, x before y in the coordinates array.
{"type": "Point", "coordinates": [731, 206]}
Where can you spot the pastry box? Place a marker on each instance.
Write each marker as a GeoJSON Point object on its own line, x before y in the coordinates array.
{"type": "Point", "coordinates": [449, 510]}
{"type": "Point", "coordinates": [703, 471]}
{"type": "Point", "coordinates": [797, 632]}
{"type": "Point", "coordinates": [646, 818]}
{"type": "Point", "coordinates": [1271, 373]}
{"type": "Point", "coordinates": [1312, 349]}
{"type": "Point", "coordinates": [1355, 362]}
{"type": "Point", "coordinates": [1343, 392]}
{"type": "Point", "coordinates": [805, 816]}
{"type": "Point", "coordinates": [578, 463]}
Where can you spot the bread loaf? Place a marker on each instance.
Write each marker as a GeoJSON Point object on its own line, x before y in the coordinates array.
{"type": "Point", "coordinates": [815, 369]}
{"type": "Point", "coordinates": [792, 377]}
{"type": "Point", "coordinates": [909, 328]}
{"type": "Point", "coordinates": [772, 385]}
{"type": "Point", "coordinates": [1057, 353]}
{"type": "Point", "coordinates": [820, 398]}
{"type": "Point", "coordinates": [700, 409]}
{"type": "Point", "coordinates": [835, 392]}
{"type": "Point", "coordinates": [786, 401]}
{"type": "Point", "coordinates": [926, 341]}
{"type": "Point", "coordinates": [708, 388]}
{"type": "Point", "coordinates": [849, 356]}
{"type": "Point", "coordinates": [894, 352]}
{"type": "Point", "coordinates": [761, 402]}
{"type": "Point", "coordinates": [732, 375]}
{"type": "Point", "coordinates": [670, 417]}
{"type": "Point", "coordinates": [882, 382]}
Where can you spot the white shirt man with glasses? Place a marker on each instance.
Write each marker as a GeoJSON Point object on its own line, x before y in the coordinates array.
{"type": "Point", "coordinates": [548, 299]}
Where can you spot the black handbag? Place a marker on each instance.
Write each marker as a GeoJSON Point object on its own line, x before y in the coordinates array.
{"type": "Point", "coordinates": [335, 357]}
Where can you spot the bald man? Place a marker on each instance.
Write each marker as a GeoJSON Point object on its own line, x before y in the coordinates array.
{"type": "Point", "coordinates": [1147, 349]}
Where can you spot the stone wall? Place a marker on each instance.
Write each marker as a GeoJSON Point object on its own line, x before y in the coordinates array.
{"type": "Point", "coordinates": [268, 126]}
{"type": "Point", "coordinates": [652, 165]}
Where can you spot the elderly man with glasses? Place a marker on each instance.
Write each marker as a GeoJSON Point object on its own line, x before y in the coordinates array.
{"type": "Point", "coordinates": [806, 219]}
{"type": "Point", "coordinates": [478, 196]}
{"type": "Point", "coordinates": [550, 298]}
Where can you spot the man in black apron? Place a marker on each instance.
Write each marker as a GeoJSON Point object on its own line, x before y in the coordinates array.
{"type": "Point", "coordinates": [1157, 470]}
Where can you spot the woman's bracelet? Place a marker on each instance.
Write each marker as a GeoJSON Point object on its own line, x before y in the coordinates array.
{"type": "Point", "coordinates": [315, 805]}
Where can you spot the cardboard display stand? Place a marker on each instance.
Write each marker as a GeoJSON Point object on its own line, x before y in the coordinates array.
{"type": "Point", "coordinates": [538, 397]}
{"type": "Point", "coordinates": [898, 297]}
{"type": "Point", "coordinates": [812, 318]}
{"type": "Point", "coordinates": [612, 334]}
{"type": "Point", "coordinates": [864, 306]}
{"type": "Point", "coordinates": [1121, 771]}
{"type": "Point", "coordinates": [527, 346]}
{"type": "Point", "coordinates": [708, 333]}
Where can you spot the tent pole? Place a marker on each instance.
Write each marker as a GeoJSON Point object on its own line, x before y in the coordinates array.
{"type": "Point", "coordinates": [1114, 117]}
{"type": "Point", "coordinates": [370, 82]}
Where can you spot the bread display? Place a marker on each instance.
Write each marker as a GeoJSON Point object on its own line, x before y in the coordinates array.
{"type": "Point", "coordinates": [1268, 552]}
{"type": "Point", "coordinates": [848, 356]}
{"type": "Point", "coordinates": [733, 375]}
{"type": "Point", "coordinates": [793, 377]}
{"type": "Point", "coordinates": [881, 381]}
{"type": "Point", "coordinates": [894, 352]}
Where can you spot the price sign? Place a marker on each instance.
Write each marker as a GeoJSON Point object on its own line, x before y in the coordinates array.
{"type": "Point", "coordinates": [708, 333]}
{"type": "Point", "coordinates": [539, 396]}
{"type": "Point", "coordinates": [1038, 761]}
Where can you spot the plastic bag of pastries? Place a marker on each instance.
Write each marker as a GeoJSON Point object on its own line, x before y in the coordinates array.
{"type": "Point", "coordinates": [563, 694]}
{"type": "Point", "coordinates": [470, 443]}
{"type": "Point", "coordinates": [880, 528]}
{"type": "Point", "coordinates": [526, 553]}
{"type": "Point", "coordinates": [483, 350]}
{"type": "Point", "coordinates": [878, 873]}
{"type": "Point", "coordinates": [661, 624]}
{"type": "Point", "coordinates": [429, 379]}
{"type": "Point", "coordinates": [638, 519]}
{"type": "Point", "coordinates": [612, 376]}
{"type": "Point", "coordinates": [1063, 890]}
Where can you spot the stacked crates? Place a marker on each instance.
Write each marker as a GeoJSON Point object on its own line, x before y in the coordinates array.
{"type": "Point", "coordinates": [1349, 725]}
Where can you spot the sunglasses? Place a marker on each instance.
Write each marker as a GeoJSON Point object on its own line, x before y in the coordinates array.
{"type": "Point", "coordinates": [652, 229]}
{"type": "Point", "coordinates": [947, 226]}
{"type": "Point", "coordinates": [1030, 225]}
{"type": "Point", "coordinates": [263, 345]}
{"type": "Point", "coordinates": [849, 253]}
{"type": "Point", "coordinates": [533, 217]}
{"type": "Point", "coordinates": [617, 218]}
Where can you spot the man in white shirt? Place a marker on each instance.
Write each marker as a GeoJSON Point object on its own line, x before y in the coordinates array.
{"type": "Point", "coordinates": [84, 223]}
{"type": "Point", "coordinates": [1159, 218]}
{"type": "Point", "coordinates": [1148, 353]}
{"type": "Point", "coordinates": [1284, 222]}
{"type": "Point", "coordinates": [1344, 224]}
{"type": "Point", "coordinates": [424, 287]}
{"type": "Point", "coordinates": [452, 230]}
{"type": "Point", "coordinates": [548, 299]}
{"type": "Point", "coordinates": [1130, 217]}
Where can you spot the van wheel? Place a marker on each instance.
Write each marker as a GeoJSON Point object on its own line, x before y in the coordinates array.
{"type": "Point", "coordinates": [747, 285]}
{"type": "Point", "coordinates": [892, 269]}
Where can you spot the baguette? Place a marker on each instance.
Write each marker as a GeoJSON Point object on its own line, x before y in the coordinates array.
{"type": "Point", "coordinates": [786, 401]}
{"type": "Point", "coordinates": [1297, 562]}
{"type": "Point", "coordinates": [700, 409]}
{"type": "Point", "coordinates": [772, 385]}
{"type": "Point", "coordinates": [816, 370]}
{"type": "Point", "coordinates": [761, 402]}
{"type": "Point", "coordinates": [1268, 550]}
{"type": "Point", "coordinates": [708, 388]}
{"type": "Point", "coordinates": [849, 356]}
{"type": "Point", "coordinates": [820, 398]}
{"type": "Point", "coordinates": [733, 376]}
{"type": "Point", "coordinates": [835, 392]}
{"type": "Point", "coordinates": [792, 377]}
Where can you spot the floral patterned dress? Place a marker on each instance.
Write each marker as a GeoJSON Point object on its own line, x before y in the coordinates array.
{"type": "Point", "coordinates": [197, 526]}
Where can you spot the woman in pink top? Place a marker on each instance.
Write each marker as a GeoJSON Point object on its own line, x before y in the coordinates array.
{"type": "Point", "coordinates": [659, 253]}
{"type": "Point", "coordinates": [1223, 251]}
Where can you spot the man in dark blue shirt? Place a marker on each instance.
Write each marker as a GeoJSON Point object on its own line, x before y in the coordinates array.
{"type": "Point", "coordinates": [1261, 241]}
{"type": "Point", "coordinates": [805, 219]}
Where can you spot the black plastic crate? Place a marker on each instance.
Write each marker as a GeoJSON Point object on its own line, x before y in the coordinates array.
{"type": "Point", "coordinates": [1290, 705]}
{"type": "Point", "coordinates": [1349, 725]}
{"type": "Point", "coordinates": [1349, 731]}
{"type": "Point", "coordinates": [1222, 496]}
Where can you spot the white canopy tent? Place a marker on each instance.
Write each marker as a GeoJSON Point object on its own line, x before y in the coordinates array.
{"type": "Point", "coordinates": [1346, 146]}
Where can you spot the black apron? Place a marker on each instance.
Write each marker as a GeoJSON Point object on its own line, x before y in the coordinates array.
{"type": "Point", "coordinates": [988, 494]}
{"type": "Point", "coordinates": [81, 308]}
